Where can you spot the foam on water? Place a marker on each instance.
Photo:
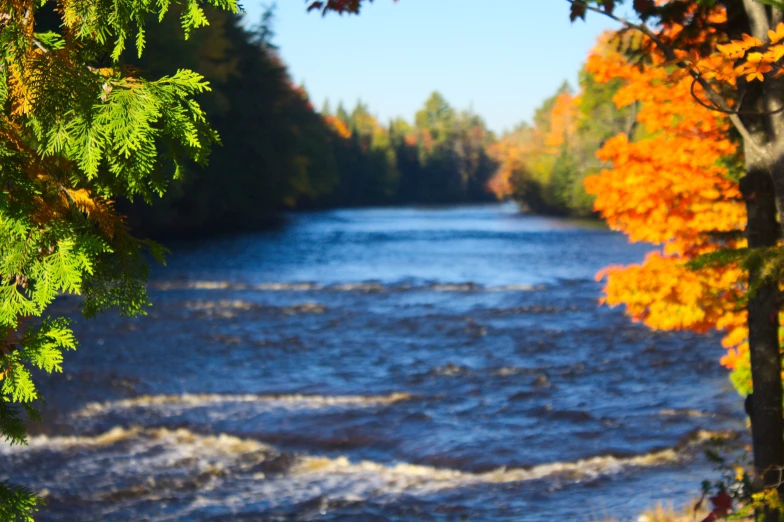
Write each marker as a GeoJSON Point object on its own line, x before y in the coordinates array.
{"type": "Point", "coordinates": [446, 305]}
{"type": "Point", "coordinates": [132, 462]}
{"type": "Point", "coordinates": [244, 306]}
{"type": "Point", "coordinates": [183, 438]}
{"type": "Point", "coordinates": [411, 478]}
{"type": "Point", "coordinates": [39, 442]}
{"type": "Point", "coordinates": [163, 455]}
{"type": "Point", "coordinates": [288, 402]}
{"type": "Point", "coordinates": [341, 479]}
{"type": "Point", "coordinates": [343, 287]}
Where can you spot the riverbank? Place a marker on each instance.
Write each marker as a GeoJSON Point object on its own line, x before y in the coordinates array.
{"type": "Point", "coordinates": [175, 228]}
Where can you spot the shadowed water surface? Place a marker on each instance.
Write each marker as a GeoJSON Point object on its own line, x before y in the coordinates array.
{"type": "Point", "coordinates": [400, 364]}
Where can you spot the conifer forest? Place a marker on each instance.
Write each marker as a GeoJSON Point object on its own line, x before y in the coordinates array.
{"type": "Point", "coordinates": [225, 296]}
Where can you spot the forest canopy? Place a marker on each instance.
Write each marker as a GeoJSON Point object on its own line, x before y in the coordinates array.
{"type": "Point", "coordinates": [278, 152]}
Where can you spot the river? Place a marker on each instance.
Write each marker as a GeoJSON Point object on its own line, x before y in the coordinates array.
{"type": "Point", "coordinates": [382, 364]}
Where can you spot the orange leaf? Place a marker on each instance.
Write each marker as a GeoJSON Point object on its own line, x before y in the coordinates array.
{"type": "Point", "coordinates": [754, 76]}
{"type": "Point", "coordinates": [776, 35]}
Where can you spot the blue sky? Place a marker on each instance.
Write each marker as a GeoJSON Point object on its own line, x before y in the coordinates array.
{"type": "Point", "coordinates": [499, 57]}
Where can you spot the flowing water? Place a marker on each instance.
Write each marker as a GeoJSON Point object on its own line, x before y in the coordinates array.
{"type": "Point", "coordinates": [397, 364]}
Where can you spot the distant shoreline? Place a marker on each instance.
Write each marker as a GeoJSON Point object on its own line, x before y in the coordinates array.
{"type": "Point", "coordinates": [228, 227]}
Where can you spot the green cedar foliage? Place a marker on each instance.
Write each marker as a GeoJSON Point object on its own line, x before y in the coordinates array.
{"type": "Point", "coordinates": [77, 130]}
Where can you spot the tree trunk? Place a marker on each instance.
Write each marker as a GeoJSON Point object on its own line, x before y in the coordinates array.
{"type": "Point", "coordinates": [763, 189]}
{"type": "Point", "coordinates": [766, 404]}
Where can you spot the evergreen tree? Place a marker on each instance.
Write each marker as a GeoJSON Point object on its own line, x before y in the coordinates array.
{"type": "Point", "coordinates": [78, 130]}
{"type": "Point", "coordinates": [326, 108]}
{"type": "Point", "coordinates": [275, 150]}
{"type": "Point", "coordinates": [342, 114]}
{"type": "Point", "coordinates": [442, 158]}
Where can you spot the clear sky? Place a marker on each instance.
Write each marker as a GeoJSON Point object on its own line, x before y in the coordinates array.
{"type": "Point", "coordinates": [499, 57]}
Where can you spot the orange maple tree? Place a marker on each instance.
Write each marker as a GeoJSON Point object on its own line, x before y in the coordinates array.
{"type": "Point", "coordinates": [721, 55]}
{"type": "Point", "coordinates": [337, 125]}
{"type": "Point", "coordinates": [673, 187]}
{"type": "Point", "coordinates": [676, 187]}
{"type": "Point", "coordinates": [563, 122]}
{"type": "Point", "coordinates": [525, 150]}
{"type": "Point", "coordinates": [510, 152]}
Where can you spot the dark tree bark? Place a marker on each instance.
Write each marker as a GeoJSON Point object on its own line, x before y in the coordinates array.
{"type": "Point", "coordinates": [767, 425]}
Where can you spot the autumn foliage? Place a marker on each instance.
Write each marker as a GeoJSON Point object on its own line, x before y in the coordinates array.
{"type": "Point", "coordinates": [674, 185]}
{"type": "Point", "coordinates": [530, 151]}
{"type": "Point", "coordinates": [542, 165]}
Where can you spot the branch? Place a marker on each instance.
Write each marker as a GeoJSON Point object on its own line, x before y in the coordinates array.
{"type": "Point", "coordinates": [714, 97]}
{"type": "Point", "coordinates": [718, 109]}
{"type": "Point", "coordinates": [40, 45]}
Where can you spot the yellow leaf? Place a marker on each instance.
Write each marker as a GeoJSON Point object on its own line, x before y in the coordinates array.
{"type": "Point", "coordinates": [730, 50]}
{"type": "Point", "coordinates": [750, 41]}
{"type": "Point", "coordinates": [778, 34]}
{"type": "Point", "coordinates": [754, 76]}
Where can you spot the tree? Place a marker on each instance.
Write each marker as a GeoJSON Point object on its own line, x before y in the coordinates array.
{"type": "Point", "coordinates": [688, 36]}
{"type": "Point", "coordinates": [689, 202]}
{"type": "Point", "coordinates": [474, 164]}
{"type": "Point", "coordinates": [442, 158]}
{"type": "Point", "coordinates": [434, 124]}
{"type": "Point", "coordinates": [77, 129]}
{"type": "Point", "coordinates": [275, 150]}
{"type": "Point", "coordinates": [543, 167]}
{"type": "Point", "coordinates": [528, 156]}
{"type": "Point", "coordinates": [436, 118]}
{"type": "Point", "coordinates": [452, 148]}
{"type": "Point", "coordinates": [376, 175]}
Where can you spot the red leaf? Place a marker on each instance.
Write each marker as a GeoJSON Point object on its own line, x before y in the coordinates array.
{"type": "Point", "coordinates": [711, 517]}
{"type": "Point", "coordinates": [338, 6]}
{"type": "Point", "coordinates": [643, 6]}
{"type": "Point", "coordinates": [722, 503]}
{"type": "Point", "coordinates": [609, 5]}
{"type": "Point", "coordinates": [577, 11]}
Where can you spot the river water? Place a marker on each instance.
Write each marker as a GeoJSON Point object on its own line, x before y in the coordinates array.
{"type": "Point", "coordinates": [395, 364]}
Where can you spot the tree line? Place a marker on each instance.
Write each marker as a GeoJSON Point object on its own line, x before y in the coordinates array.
{"type": "Point", "coordinates": [277, 152]}
{"type": "Point", "coordinates": [543, 165]}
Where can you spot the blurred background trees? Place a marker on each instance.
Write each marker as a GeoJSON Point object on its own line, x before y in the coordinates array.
{"type": "Point", "coordinates": [542, 166]}
{"type": "Point", "coordinates": [278, 152]}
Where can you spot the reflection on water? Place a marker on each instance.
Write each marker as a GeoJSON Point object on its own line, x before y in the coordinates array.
{"type": "Point", "coordinates": [397, 364]}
